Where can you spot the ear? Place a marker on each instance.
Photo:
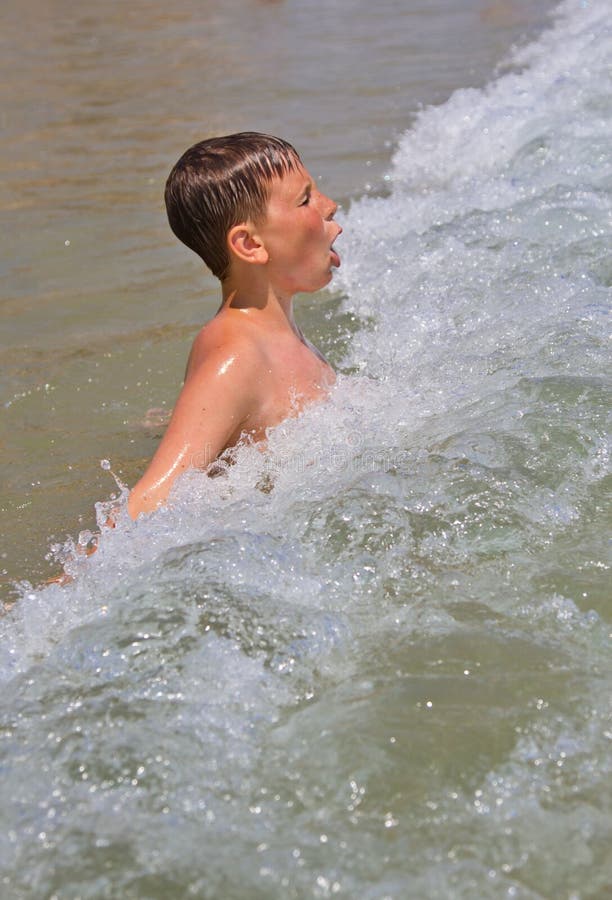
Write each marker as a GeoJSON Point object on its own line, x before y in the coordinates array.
{"type": "Point", "coordinates": [244, 242]}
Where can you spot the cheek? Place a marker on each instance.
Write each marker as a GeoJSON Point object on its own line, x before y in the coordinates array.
{"type": "Point", "coordinates": [314, 230]}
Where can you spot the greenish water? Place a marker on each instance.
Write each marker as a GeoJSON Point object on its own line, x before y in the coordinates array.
{"type": "Point", "coordinates": [373, 662]}
{"type": "Point", "coordinates": [100, 302]}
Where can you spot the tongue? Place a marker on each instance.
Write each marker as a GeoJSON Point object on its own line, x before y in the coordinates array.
{"type": "Point", "coordinates": [335, 258]}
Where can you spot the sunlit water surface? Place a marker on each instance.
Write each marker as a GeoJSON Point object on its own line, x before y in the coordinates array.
{"type": "Point", "coordinates": [373, 662]}
{"type": "Point", "coordinates": [99, 301]}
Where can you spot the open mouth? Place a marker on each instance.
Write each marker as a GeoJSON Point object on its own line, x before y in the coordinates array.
{"type": "Point", "coordinates": [334, 253]}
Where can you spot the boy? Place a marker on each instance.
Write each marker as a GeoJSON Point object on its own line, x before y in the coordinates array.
{"type": "Point", "coordinates": [249, 208]}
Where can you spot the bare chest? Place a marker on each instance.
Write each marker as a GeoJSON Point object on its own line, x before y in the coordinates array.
{"type": "Point", "coordinates": [295, 376]}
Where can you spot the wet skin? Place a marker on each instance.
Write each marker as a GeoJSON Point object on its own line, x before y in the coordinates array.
{"type": "Point", "coordinates": [250, 367]}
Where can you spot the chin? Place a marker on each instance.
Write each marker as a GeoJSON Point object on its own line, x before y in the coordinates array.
{"type": "Point", "coordinates": [314, 284]}
{"type": "Point", "coordinates": [323, 283]}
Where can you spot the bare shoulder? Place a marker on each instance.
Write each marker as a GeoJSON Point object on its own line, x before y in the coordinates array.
{"type": "Point", "coordinates": [224, 348]}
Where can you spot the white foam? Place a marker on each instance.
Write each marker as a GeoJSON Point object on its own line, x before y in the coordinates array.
{"type": "Point", "coordinates": [414, 558]}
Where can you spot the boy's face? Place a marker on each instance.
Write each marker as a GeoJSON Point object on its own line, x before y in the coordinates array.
{"type": "Point", "coordinates": [298, 234]}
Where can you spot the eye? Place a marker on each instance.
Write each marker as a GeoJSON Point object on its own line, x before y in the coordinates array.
{"type": "Point", "coordinates": [306, 200]}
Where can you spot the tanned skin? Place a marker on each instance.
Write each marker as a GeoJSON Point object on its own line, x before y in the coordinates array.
{"type": "Point", "coordinates": [250, 367]}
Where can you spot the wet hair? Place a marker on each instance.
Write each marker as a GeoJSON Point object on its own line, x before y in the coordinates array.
{"type": "Point", "coordinates": [219, 183]}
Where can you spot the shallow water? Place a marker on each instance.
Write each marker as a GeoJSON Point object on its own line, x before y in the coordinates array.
{"type": "Point", "coordinates": [100, 303]}
{"type": "Point", "coordinates": [373, 662]}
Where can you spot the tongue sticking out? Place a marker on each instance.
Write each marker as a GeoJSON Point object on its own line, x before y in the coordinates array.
{"type": "Point", "coordinates": [335, 257]}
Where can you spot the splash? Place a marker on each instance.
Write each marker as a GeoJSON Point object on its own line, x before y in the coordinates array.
{"type": "Point", "coordinates": [389, 631]}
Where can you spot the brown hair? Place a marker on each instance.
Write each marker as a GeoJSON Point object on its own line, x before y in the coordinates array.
{"type": "Point", "coordinates": [219, 183]}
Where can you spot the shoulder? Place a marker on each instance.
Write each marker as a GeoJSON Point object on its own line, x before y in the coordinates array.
{"type": "Point", "coordinates": [224, 353]}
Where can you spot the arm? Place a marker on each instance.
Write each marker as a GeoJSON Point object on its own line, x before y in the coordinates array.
{"type": "Point", "coordinates": [213, 406]}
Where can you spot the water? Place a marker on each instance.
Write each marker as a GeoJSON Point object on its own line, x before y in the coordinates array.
{"type": "Point", "coordinates": [375, 661]}
{"type": "Point", "coordinates": [100, 302]}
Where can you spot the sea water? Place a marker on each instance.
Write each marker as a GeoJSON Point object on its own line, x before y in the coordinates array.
{"type": "Point", "coordinates": [374, 660]}
{"type": "Point", "coordinates": [100, 302]}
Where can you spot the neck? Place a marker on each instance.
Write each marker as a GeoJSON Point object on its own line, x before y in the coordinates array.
{"type": "Point", "coordinates": [261, 301]}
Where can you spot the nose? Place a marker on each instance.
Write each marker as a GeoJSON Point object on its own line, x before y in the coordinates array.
{"type": "Point", "coordinates": [331, 208]}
